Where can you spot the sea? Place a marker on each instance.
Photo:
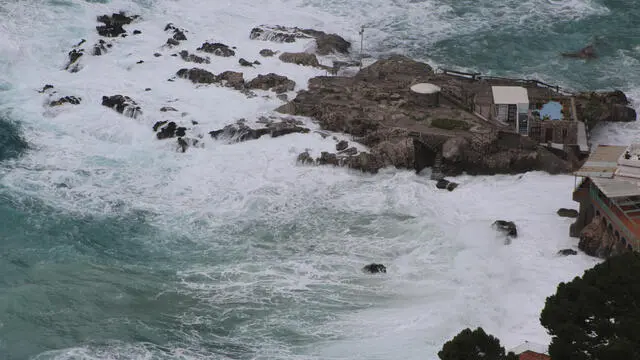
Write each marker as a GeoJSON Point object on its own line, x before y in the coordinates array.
{"type": "Point", "coordinates": [113, 245]}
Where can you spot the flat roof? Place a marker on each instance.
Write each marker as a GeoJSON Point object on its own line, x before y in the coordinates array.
{"type": "Point", "coordinates": [616, 188]}
{"type": "Point", "coordinates": [602, 162]}
{"type": "Point", "coordinates": [510, 95]}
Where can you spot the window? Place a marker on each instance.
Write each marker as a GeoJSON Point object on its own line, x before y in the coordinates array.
{"type": "Point", "coordinates": [565, 133]}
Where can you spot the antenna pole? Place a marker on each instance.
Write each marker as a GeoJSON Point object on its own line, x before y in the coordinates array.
{"type": "Point", "coordinates": [361, 44]}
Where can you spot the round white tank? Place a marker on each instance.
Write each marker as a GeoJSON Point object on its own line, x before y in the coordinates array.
{"type": "Point", "coordinates": [425, 94]}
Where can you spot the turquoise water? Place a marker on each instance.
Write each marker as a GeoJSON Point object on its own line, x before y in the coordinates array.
{"type": "Point", "coordinates": [127, 282]}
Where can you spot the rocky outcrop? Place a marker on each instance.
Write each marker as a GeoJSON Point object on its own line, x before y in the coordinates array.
{"type": "Point", "coordinates": [178, 34]}
{"type": "Point", "coordinates": [325, 43]}
{"type": "Point", "coordinates": [122, 104]}
{"type": "Point", "coordinates": [593, 107]}
{"type": "Point", "coordinates": [374, 107]}
{"type": "Point", "coordinates": [198, 76]}
{"type": "Point", "coordinates": [446, 185]}
{"type": "Point", "coordinates": [597, 240]}
{"type": "Point", "coordinates": [241, 132]}
{"type": "Point", "coordinates": [267, 52]}
{"type": "Point", "coordinates": [304, 59]}
{"type": "Point", "coordinates": [567, 252]}
{"type": "Point", "coordinates": [232, 79]}
{"type": "Point", "coordinates": [184, 55]}
{"type": "Point", "coordinates": [73, 65]}
{"type": "Point", "coordinates": [113, 25]}
{"type": "Point", "coordinates": [217, 49]}
{"type": "Point", "coordinates": [375, 268]}
{"type": "Point", "coordinates": [101, 47]}
{"type": "Point", "coordinates": [277, 83]}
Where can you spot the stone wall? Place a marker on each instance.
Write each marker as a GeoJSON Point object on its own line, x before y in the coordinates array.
{"type": "Point", "coordinates": [562, 131]}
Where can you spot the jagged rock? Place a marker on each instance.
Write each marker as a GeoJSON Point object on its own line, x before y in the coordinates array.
{"type": "Point", "coordinates": [137, 32]}
{"type": "Point", "coordinates": [446, 185]}
{"type": "Point", "coordinates": [507, 227]}
{"type": "Point", "coordinates": [217, 49]}
{"type": "Point", "coordinates": [178, 34]}
{"type": "Point", "coordinates": [122, 104]}
{"type": "Point", "coordinates": [267, 52]}
{"type": "Point", "coordinates": [597, 240]}
{"type": "Point", "coordinates": [66, 100]}
{"type": "Point", "coordinates": [567, 252]}
{"type": "Point", "coordinates": [169, 130]}
{"type": "Point", "coordinates": [113, 25]}
{"type": "Point", "coordinates": [570, 213]}
{"type": "Point", "coordinates": [327, 158]}
{"type": "Point", "coordinates": [157, 54]}
{"type": "Point", "coordinates": [277, 83]}
{"type": "Point", "coordinates": [375, 268]}
{"type": "Point", "coordinates": [185, 143]}
{"type": "Point", "coordinates": [244, 62]}
{"type": "Point", "coordinates": [325, 43]}
{"type": "Point", "coordinates": [82, 41]}
{"type": "Point", "coordinates": [304, 59]}
{"type": "Point", "coordinates": [172, 42]}
{"type": "Point", "coordinates": [232, 79]}
{"type": "Point", "coordinates": [342, 145]}
{"type": "Point", "coordinates": [184, 54]}
{"type": "Point", "coordinates": [101, 47]}
{"type": "Point", "coordinates": [74, 56]}
{"type": "Point", "coordinates": [168, 108]}
{"type": "Point", "coordinates": [241, 132]}
{"type": "Point", "coordinates": [45, 88]}
{"type": "Point", "coordinates": [140, 62]}
{"type": "Point", "coordinates": [157, 125]}
{"type": "Point", "coordinates": [592, 107]}
{"type": "Point", "coordinates": [198, 76]}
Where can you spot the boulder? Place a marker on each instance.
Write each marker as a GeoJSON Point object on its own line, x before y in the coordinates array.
{"type": "Point", "coordinates": [569, 213]}
{"type": "Point", "coordinates": [113, 25]}
{"type": "Point", "coordinates": [349, 151]}
{"type": "Point", "coordinates": [232, 79]}
{"type": "Point", "coordinates": [375, 268]}
{"type": "Point", "coordinates": [66, 100]}
{"type": "Point", "coordinates": [507, 227]}
{"type": "Point", "coordinates": [567, 252]}
{"type": "Point", "coordinates": [305, 158]}
{"type": "Point", "coordinates": [169, 130]}
{"type": "Point", "coordinates": [342, 145]}
{"type": "Point", "coordinates": [330, 43]}
{"type": "Point", "coordinates": [244, 62]}
{"type": "Point", "coordinates": [217, 49]}
{"type": "Point", "coordinates": [325, 43]}
{"type": "Point", "coordinates": [198, 76]}
{"type": "Point", "coordinates": [277, 83]}
{"type": "Point", "coordinates": [304, 59]}
{"type": "Point", "coordinates": [101, 47]}
{"type": "Point", "coordinates": [178, 34]}
{"type": "Point", "coordinates": [446, 185]}
{"type": "Point", "coordinates": [184, 55]}
{"type": "Point", "coordinates": [597, 240]}
{"type": "Point", "coordinates": [240, 132]}
{"type": "Point", "coordinates": [74, 56]}
{"type": "Point", "coordinates": [168, 108]}
{"type": "Point", "coordinates": [267, 52]}
{"type": "Point", "coordinates": [122, 104]}
{"type": "Point", "coordinates": [593, 107]}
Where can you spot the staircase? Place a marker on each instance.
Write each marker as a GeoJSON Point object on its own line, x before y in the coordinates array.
{"type": "Point", "coordinates": [436, 170]}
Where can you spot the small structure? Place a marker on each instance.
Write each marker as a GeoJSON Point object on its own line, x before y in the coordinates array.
{"type": "Point", "coordinates": [531, 351]}
{"type": "Point", "coordinates": [610, 191]}
{"type": "Point", "coordinates": [511, 106]}
{"type": "Point", "coordinates": [425, 94]}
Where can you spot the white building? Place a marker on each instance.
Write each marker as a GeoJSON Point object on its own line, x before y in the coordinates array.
{"type": "Point", "coordinates": [511, 106]}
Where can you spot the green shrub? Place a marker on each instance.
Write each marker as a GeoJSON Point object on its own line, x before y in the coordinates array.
{"type": "Point", "coordinates": [450, 124]}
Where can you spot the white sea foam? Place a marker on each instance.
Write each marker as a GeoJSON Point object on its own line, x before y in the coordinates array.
{"type": "Point", "coordinates": [316, 227]}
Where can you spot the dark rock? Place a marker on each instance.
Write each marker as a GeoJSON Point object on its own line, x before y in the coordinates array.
{"type": "Point", "coordinates": [570, 213]}
{"type": "Point", "coordinates": [325, 43]}
{"type": "Point", "coordinates": [167, 131]}
{"type": "Point", "coordinates": [178, 34]}
{"type": "Point", "coordinates": [277, 34]}
{"type": "Point", "coordinates": [256, 62]}
{"type": "Point", "coordinates": [113, 25]}
{"type": "Point", "coordinates": [446, 184]}
{"type": "Point", "coordinates": [283, 97]}
{"type": "Point", "coordinates": [137, 32]}
{"type": "Point", "coordinates": [304, 59]}
{"type": "Point", "coordinates": [267, 52]}
{"type": "Point", "coordinates": [157, 54]}
{"type": "Point", "coordinates": [587, 52]}
{"type": "Point", "coordinates": [244, 62]}
{"type": "Point", "coordinates": [140, 62]}
{"type": "Point", "coordinates": [45, 88]}
{"type": "Point", "coordinates": [232, 79]}
{"type": "Point", "coordinates": [375, 268]}
{"type": "Point", "coordinates": [507, 227]}
{"type": "Point", "coordinates": [349, 152]}
{"type": "Point", "coordinates": [185, 143]}
{"type": "Point", "coordinates": [122, 104]}
{"type": "Point", "coordinates": [100, 47]}
{"type": "Point", "coordinates": [181, 131]}
{"type": "Point", "coordinates": [66, 100]}
{"type": "Point", "coordinates": [193, 122]}
{"type": "Point", "coordinates": [157, 125]}
{"type": "Point", "coordinates": [198, 76]}
{"type": "Point", "coordinates": [217, 49]}
{"type": "Point", "coordinates": [184, 54]}
{"type": "Point", "coordinates": [168, 108]}
{"type": "Point", "coordinates": [305, 158]}
{"type": "Point", "coordinates": [82, 41]}
{"type": "Point", "coordinates": [277, 83]}
{"type": "Point", "coordinates": [566, 252]}
{"type": "Point", "coordinates": [147, 89]}
{"type": "Point", "coordinates": [327, 158]}
{"type": "Point", "coordinates": [593, 107]}
{"type": "Point", "coordinates": [241, 132]}
{"type": "Point", "coordinates": [172, 42]}
{"type": "Point", "coordinates": [329, 43]}
{"type": "Point", "coordinates": [342, 145]}
{"type": "Point", "coordinates": [74, 55]}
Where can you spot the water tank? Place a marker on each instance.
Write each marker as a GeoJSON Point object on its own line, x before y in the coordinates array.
{"type": "Point", "coordinates": [425, 94]}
